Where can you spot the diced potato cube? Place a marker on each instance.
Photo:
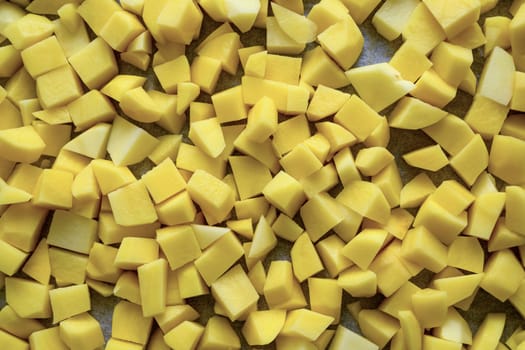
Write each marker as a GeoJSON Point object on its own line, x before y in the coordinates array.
{"type": "Point", "coordinates": [305, 323]}
{"type": "Point", "coordinates": [503, 161]}
{"type": "Point", "coordinates": [463, 163]}
{"type": "Point", "coordinates": [153, 286]}
{"type": "Point", "coordinates": [28, 30]}
{"type": "Point", "coordinates": [490, 331]}
{"type": "Point", "coordinates": [224, 48]}
{"type": "Point", "coordinates": [278, 42]}
{"type": "Point", "coordinates": [262, 327]}
{"type": "Point", "coordinates": [10, 60]}
{"type": "Point", "coordinates": [344, 338]}
{"type": "Point", "coordinates": [429, 158]}
{"type": "Point", "coordinates": [129, 324]}
{"type": "Point", "coordinates": [27, 298]}
{"type": "Point", "coordinates": [58, 87]}
{"type": "Point", "coordinates": [95, 64]}
{"type": "Point", "coordinates": [305, 260]}
{"type": "Point", "coordinates": [11, 258]}
{"type": "Point", "coordinates": [377, 326]}
{"type": "Point", "coordinates": [136, 251]}
{"type": "Point", "coordinates": [71, 231]}
{"type": "Point", "coordinates": [41, 339]}
{"type": "Point", "coordinates": [82, 332]}
{"type": "Point", "coordinates": [454, 17]}
{"type": "Point", "coordinates": [320, 214]}
{"type": "Point", "coordinates": [390, 19]}
{"type": "Point", "coordinates": [53, 189]}
{"type": "Point", "coordinates": [285, 193]}
{"type": "Point", "coordinates": [120, 29]}
{"type": "Point", "coordinates": [367, 199]}
{"type": "Point", "coordinates": [358, 283]}
{"type": "Point", "coordinates": [185, 336]}
{"type": "Point", "coordinates": [433, 89]}
{"type": "Point", "coordinates": [422, 30]}
{"type": "Point", "coordinates": [517, 31]}
{"type": "Point", "coordinates": [69, 301]}
{"type": "Point", "coordinates": [132, 205]}
{"type": "Point", "coordinates": [296, 26]}
{"type": "Point", "coordinates": [363, 248]}
{"type": "Point", "coordinates": [43, 57]}
{"type": "Point", "coordinates": [12, 342]}
{"type": "Point", "coordinates": [319, 68]}
{"type": "Point", "coordinates": [500, 264]}
{"type": "Point", "coordinates": [180, 21]}
{"type": "Point", "coordinates": [262, 120]}
{"type": "Point", "coordinates": [421, 247]}
{"type": "Point", "coordinates": [497, 78]}
{"type": "Point", "coordinates": [128, 143]}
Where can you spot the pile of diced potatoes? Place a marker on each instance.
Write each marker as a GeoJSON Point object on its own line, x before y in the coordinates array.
{"type": "Point", "coordinates": [159, 189]}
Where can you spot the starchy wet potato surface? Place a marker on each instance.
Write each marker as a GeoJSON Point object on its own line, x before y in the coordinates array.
{"type": "Point", "coordinates": [270, 174]}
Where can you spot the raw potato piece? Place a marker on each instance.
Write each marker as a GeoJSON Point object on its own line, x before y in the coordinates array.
{"type": "Point", "coordinates": [262, 327]}
{"type": "Point", "coordinates": [497, 79]}
{"type": "Point", "coordinates": [343, 41]}
{"type": "Point", "coordinates": [242, 12]}
{"type": "Point", "coordinates": [454, 16]}
{"type": "Point", "coordinates": [296, 26]}
{"type": "Point", "coordinates": [366, 79]}
{"type": "Point", "coordinates": [132, 205]}
{"type": "Point", "coordinates": [390, 19]}
{"type": "Point", "coordinates": [429, 158]}
{"type": "Point", "coordinates": [505, 162]}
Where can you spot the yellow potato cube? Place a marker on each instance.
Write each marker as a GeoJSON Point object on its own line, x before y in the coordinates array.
{"type": "Point", "coordinates": [305, 260]}
{"type": "Point", "coordinates": [90, 109]}
{"type": "Point", "coordinates": [22, 233]}
{"type": "Point", "coordinates": [278, 42]}
{"type": "Point", "coordinates": [295, 25]}
{"type": "Point", "coordinates": [168, 147]}
{"type": "Point", "coordinates": [421, 247]}
{"type": "Point", "coordinates": [218, 258]}
{"type": "Point", "coordinates": [101, 263]}
{"type": "Point", "coordinates": [120, 29]}
{"type": "Point", "coordinates": [466, 253]}
{"type": "Point", "coordinates": [205, 72]}
{"type": "Point", "coordinates": [485, 116]}
{"type": "Point", "coordinates": [290, 133]}
{"type": "Point", "coordinates": [451, 62]}
{"type": "Point", "coordinates": [175, 315]}
{"type": "Point", "coordinates": [390, 19]}
{"type": "Point", "coordinates": [305, 323]}
{"type": "Point", "coordinates": [458, 287]}
{"type": "Point", "coordinates": [41, 339]}
{"type": "Point", "coordinates": [229, 105]}
{"type": "Point", "coordinates": [515, 196]}
{"type": "Point", "coordinates": [358, 283]}
{"type": "Point", "coordinates": [38, 266]}
{"type": "Point", "coordinates": [11, 259]}
{"type": "Point", "coordinates": [329, 250]}
{"type": "Point", "coordinates": [370, 161]}
{"type": "Point", "coordinates": [62, 226]}
{"type": "Point", "coordinates": [410, 62]}
{"type": "Point", "coordinates": [180, 21]}
{"type": "Point", "coordinates": [500, 264]}
{"type": "Point", "coordinates": [320, 214]}
{"type": "Point", "coordinates": [178, 209]}
{"type": "Point", "coordinates": [54, 136]}
{"type": "Point", "coordinates": [505, 152]}
{"type": "Point", "coordinates": [325, 102]}
{"type": "Point", "coordinates": [110, 177]}
{"type": "Point", "coordinates": [140, 106]}
{"type": "Point", "coordinates": [92, 142]}
{"type": "Point", "coordinates": [27, 298]}
{"type": "Point", "coordinates": [219, 334]}
{"type": "Point", "coordinates": [190, 282]}
{"type": "Point", "coordinates": [153, 286]}
{"type": "Point", "coordinates": [318, 68]}
{"type": "Point", "coordinates": [279, 281]}
{"type": "Point", "coordinates": [377, 326]}
{"type": "Point", "coordinates": [67, 267]}
{"type": "Point", "coordinates": [21, 86]}
{"type": "Point", "coordinates": [43, 57]}
{"type": "Point", "coordinates": [250, 176]}
{"type": "Point", "coordinates": [471, 37]}
{"type": "Point", "coordinates": [235, 292]}
{"type": "Point", "coordinates": [406, 114]}
{"type": "Point", "coordinates": [454, 329]}
{"type": "Point", "coordinates": [185, 336]}
{"type": "Point", "coordinates": [67, 13]}
{"type": "Point", "coordinates": [121, 83]}
{"type": "Point", "coordinates": [28, 30]}
{"type": "Point", "coordinates": [462, 162]}
{"type": "Point", "coordinates": [357, 117]}
{"type": "Point", "coordinates": [454, 17]}
{"type": "Point", "coordinates": [344, 338]}
{"type": "Point", "coordinates": [363, 248]}
{"type": "Point", "coordinates": [367, 199]}
{"type": "Point", "coordinates": [164, 181]}
{"type": "Point", "coordinates": [74, 40]}
{"type": "Point", "coordinates": [430, 307]}
{"type": "Point", "coordinates": [208, 136]}
{"type": "Point", "coordinates": [58, 87]}
{"type": "Point", "coordinates": [422, 30]}
{"type": "Point", "coordinates": [300, 162]}
{"type": "Point", "coordinates": [12, 195]}
{"type": "Point", "coordinates": [201, 184]}
{"type": "Point", "coordinates": [496, 80]}
{"type": "Point", "coordinates": [489, 331]}
{"type": "Point", "coordinates": [96, 13]}
{"type": "Point", "coordinates": [327, 12]}
{"type": "Point", "coordinates": [179, 244]}
{"type": "Point", "coordinates": [431, 88]}
{"type": "Point", "coordinates": [452, 133]}
{"type": "Point", "coordinates": [263, 241]}
{"type": "Point", "coordinates": [10, 60]}
{"type": "Point", "coordinates": [129, 324]}
{"type": "Point", "coordinates": [81, 332]}
{"type": "Point", "coordinates": [53, 189]}
{"type": "Point", "coordinates": [285, 193]}
{"type": "Point", "coordinates": [95, 64]}
{"type": "Point", "coordinates": [224, 48]}
{"type": "Point", "coordinates": [263, 327]}
{"type": "Point", "coordinates": [262, 120]}
{"type": "Point", "coordinates": [429, 158]}
{"type": "Point", "coordinates": [191, 158]}
{"type": "Point", "coordinates": [69, 301]}
{"type": "Point", "coordinates": [484, 213]}
{"type": "Point", "coordinates": [497, 33]}
{"type": "Point", "coordinates": [136, 251]}
{"type": "Point", "coordinates": [325, 297]}
{"type": "Point", "coordinates": [127, 287]}
{"type": "Point", "coordinates": [132, 205]}
{"type": "Point", "coordinates": [128, 143]}
{"type": "Point", "coordinates": [172, 73]}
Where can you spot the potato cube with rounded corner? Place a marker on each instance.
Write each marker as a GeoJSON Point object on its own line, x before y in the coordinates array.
{"type": "Point", "coordinates": [263, 327]}
{"type": "Point", "coordinates": [430, 158]}
{"type": "Point", "coordinates": [28, 30]}
{"type": "Point", "coordinates": [81, 332]}
{"type": "Point", "coordinates": [208, 136]}
{"type": "Point", "coordinates": [278, 42]}
{"type": "Point", "coordinates": [262, 120]}
{"type": "Point", "coordinates": [219, 334]}
{"type": "Point", "coordinates": [224, 48]}
{"type": "Point", "coordinates": [49, 337]}
{"type": "Point", "coordinates": [499, 265]}
{"type": "Point", "coordinates": [138, 105]}
{"type": "Point", "coordinates": [319, 68]}
{"type": "Point", "coordinates": [53, 189]}
{"type": "Point", "coordinates": [71, 231]}
{"type": "Point", "coordinates": [454, 16]}
{"type": "Point", "coordinates": [430, 307]}
{"type": "Point", "coordinates": [58, 87]}
{"type": "Point", "coordinates": [423, 248]}
{"type": "Point", "coordinates": [358, 283]}
{"type": "Point", "coordinates": [180, 21]}
{"type": "Point", "coordinates": [185, 336]}
{"type": "Point", "coordinates": [173, 72]}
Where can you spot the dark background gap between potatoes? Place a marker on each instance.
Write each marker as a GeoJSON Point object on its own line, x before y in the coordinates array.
{"type": "Point", "coordinates": [376, 50]}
